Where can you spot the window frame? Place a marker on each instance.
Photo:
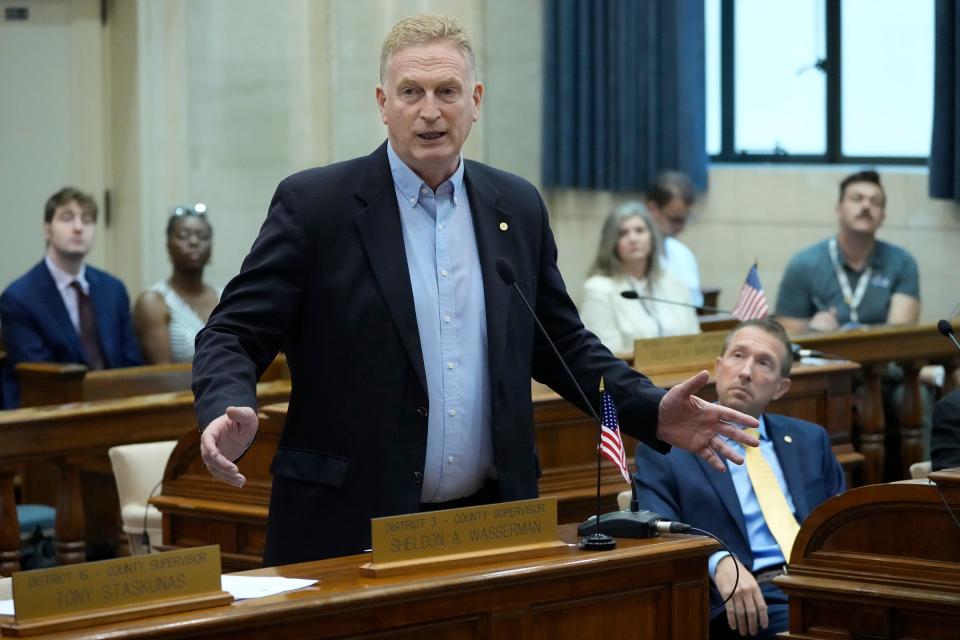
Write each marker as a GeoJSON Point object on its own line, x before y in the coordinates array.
{"type": "Point", "coordinates": [831, 67]}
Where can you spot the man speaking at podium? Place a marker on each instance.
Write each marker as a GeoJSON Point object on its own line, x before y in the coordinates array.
{"type": "Point", "coordinates": [410, 358]}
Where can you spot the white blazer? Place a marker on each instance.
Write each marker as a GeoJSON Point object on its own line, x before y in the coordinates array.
{"type": "Point", "coordinates": [618, 321]}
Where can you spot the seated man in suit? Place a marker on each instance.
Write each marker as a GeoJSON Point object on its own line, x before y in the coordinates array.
{"type": "Point", "coordinates": [945, 440]}
{"type": "Point", "coordinates": [759, 525]}
{"type": "Point", "coordinates": [64, 310]}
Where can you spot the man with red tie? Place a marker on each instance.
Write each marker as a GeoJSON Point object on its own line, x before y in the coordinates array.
{"type": "Point", "coordinates": [64, 310]}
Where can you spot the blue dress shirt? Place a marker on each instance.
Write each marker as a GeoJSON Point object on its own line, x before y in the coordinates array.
{"type": "Point", "coordinates": [766, 551]}
{"type": "Point", "coordinates": [447, 283]}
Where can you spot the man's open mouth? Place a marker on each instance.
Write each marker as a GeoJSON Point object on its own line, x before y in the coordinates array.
{"type": "Point", "coordinates": [432, 135]}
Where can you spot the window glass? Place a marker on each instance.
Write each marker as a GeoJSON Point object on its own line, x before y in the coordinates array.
{"type": "Point", "coordinates": [780, 94]}
{"type": "Point", "coordinates": [713, 74]}
{"type": "Point", "coordinates": [886, 77]}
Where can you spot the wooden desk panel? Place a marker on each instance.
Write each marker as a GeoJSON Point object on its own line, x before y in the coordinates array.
{"type": "Point", "coordinates": [880, 561]}
{"type": "Point", "coordinates": [47, 383]}
{"type": "Point", "coordinates": [655, 589]}
{"type": "Point", "coordinates": [68, 435]}
{"type": "Point", "coordinates": [875, 347]}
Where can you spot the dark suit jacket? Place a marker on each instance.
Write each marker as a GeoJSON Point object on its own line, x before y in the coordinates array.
{"type": "Point", "coordinates": [945, 438]}
{"type": "Point", "coordinates": [682, 486]}
{"type": "Point", "coordinates": [37, 328]}
{"type": "Point", "coordinates": [327, 281]}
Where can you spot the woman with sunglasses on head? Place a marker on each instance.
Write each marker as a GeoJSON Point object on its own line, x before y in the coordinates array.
{"type": "Point", "coordinates": [169, 314]}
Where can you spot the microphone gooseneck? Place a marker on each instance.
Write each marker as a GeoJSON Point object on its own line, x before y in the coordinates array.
{"type": "Point", "coordinates": [598, 541]}
{"type": "Point", "coordinates": [633, 295]}
{"type": "Point", "coordinates": [506, 272]}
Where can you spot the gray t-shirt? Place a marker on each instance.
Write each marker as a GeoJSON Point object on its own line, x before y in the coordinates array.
{"type": "Point", "coordinates": [810, 283]}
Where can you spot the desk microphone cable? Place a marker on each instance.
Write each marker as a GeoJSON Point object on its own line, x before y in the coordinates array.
{"type": "Point", "coordinates": [145, 536]}
{"type": "Point", "coordinates": [945, 503]}
{"type": "Point", "coordinates": [736, 566]}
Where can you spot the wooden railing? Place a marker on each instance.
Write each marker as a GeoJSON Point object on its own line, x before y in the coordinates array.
{"type": "Point", "coordinates": [875, 348]}
{"type": "Point", "coordinates": [68, 435]}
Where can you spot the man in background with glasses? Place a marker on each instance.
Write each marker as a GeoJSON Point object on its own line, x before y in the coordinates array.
{"type": "Point", "coordinates": [669, 198]}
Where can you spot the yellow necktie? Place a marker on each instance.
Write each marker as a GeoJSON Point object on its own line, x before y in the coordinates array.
{"type": "Point", "coordinates": [773, 504]}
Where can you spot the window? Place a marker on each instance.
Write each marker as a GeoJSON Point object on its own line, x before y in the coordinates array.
{"type": "Point", "coordinates": [819, 80]}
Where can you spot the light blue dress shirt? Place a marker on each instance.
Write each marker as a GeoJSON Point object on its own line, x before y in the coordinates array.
{"type": "Point", "coordinates": [447, 283]}
{"type": "Point", "coordinates": [766, 551]}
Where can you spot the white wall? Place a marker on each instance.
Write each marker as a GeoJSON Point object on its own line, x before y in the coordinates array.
{"type": "Point", "coordinates": [51, 127]}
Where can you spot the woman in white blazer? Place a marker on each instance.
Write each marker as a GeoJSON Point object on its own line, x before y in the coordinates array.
{"type": "Point", "coordinates": [628, 260]}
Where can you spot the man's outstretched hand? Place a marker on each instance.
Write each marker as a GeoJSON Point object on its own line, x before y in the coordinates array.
{"type": "Point", "coordinates": [224, 440]}
{"type": "Point", "coordinates": [691, 423]}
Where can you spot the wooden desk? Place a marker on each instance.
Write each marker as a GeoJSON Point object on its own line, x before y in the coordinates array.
{"type": "Point", "coordinates": [69, 434]}
{"type": "Point", "coordinates": [46, 383]}
{"type": "Point", "coordinates": [880, 561]}
{"type": "Point", "coordinates": [652, 589]}
{"type": "Point", "coordinates": [874, 347]}
{"type": "Point", "coordinates": [199, 510]}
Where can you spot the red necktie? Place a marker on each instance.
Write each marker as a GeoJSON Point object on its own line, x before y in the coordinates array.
{"type": "Point", "coordinates": [88, 329]}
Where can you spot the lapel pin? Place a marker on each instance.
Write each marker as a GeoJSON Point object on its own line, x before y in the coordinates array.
{"type": "Point", "coordinates": [504, 226]}
{"type": "Point", "coordinates": [787, 439]}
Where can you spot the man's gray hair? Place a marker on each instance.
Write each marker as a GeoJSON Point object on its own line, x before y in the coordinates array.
{"type": "Point", "coordinates": [425, 28]}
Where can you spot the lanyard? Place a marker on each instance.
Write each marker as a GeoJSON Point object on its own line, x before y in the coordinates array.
{"type": "Point", "coordinates": [640, 298]}
{"type": "Point", "coordinates": [852, 298]}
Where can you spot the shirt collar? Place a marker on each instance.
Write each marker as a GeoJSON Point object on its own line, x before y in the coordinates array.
{"type": "Point", "coordinates": [409, 184]}
{"type": "Point", "coordinates": [63, 279]}
{"type": "Point", "coordinates": [875, 260]}
{"type": "Point", "coordinates": [762, 431]}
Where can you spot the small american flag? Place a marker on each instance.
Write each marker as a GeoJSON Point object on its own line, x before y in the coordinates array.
{"type": "Point", "coordinates": [751, 304]}
{"type": "Point", "coordinates": [610, 443]}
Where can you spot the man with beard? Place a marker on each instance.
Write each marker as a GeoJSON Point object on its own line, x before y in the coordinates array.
{"type": "Point", "coordinates": [852, 278]}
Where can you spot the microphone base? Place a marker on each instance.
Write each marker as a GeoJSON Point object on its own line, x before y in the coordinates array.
{"type": "Point", "coordinates": [623, 524]}
{"type": "Point", "coordinates": [598, 542]}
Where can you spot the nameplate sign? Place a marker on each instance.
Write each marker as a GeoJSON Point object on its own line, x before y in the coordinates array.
{"type": "Point", "coordinates": [700, 349]}
{"type": "Point", "coordinates": [457, 536]}
{"type": "Point", "coordinates": [79, 595]}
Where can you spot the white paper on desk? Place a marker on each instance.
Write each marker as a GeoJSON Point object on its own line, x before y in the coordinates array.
{"type": "Point", "coordinates": [240, 587]}
{"type": "Point", "coordinates": [243, 587]}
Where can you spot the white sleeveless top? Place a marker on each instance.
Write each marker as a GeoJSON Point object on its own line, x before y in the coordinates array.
{"type": "Point", "coordinates": [184, 323]}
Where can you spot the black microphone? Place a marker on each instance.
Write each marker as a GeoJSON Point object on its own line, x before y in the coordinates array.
{"type": "Point", "coordinates": [633, 295]}
{"type": "Point", "coordinates": [597, 541]}
{"type": "Point", "coordinates": [635, 523]}
{"type": "Point", "coordinates": [946, 329]}
{"type": "Point", "coordinates": [799, 352]}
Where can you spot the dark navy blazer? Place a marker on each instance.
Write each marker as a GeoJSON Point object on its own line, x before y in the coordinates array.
{"type": "Point", "coordinates": [327, 281]}
{"type": "Point", "coordinates": [36, 325]}
{"type": "Point", "coordinates": [682, 486]}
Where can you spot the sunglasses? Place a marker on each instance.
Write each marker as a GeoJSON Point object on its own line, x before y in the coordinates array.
{"type": "Point", "coordinates": [198, 209]}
